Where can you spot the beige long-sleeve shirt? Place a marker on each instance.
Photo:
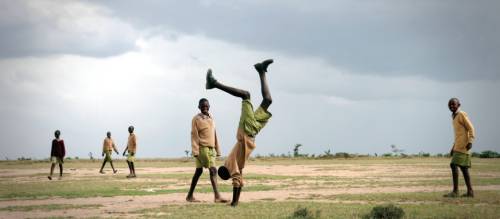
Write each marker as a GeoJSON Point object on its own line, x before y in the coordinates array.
{"type": "Point", "coordinates": [132, 143]}
{"type": "Point", "coordinates": [203, 133]}
{"type": "Point", "coordinates": [108, 145]}
{"type": "Point", "coordinates": [464, 132]}
{"type": "Point", "coordinates": [236, 160]}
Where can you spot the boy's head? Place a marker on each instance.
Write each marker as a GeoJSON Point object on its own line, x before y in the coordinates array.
{"type": "Point", "coordinates": [57, 133]}
{"type": "Point", "coordinates": [130, 129]}
{"type": "Point", "coordinates": [204, 106]}
{"type": "Point", "coordinates": [453, 104]}
{"type": "Point", "coordinates": [108, 134]}
{"type": "Point", "coordinates": [223, 173]}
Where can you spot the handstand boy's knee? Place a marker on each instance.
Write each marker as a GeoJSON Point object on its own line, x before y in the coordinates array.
{"type": "Point", "coordinates": [246, 95]}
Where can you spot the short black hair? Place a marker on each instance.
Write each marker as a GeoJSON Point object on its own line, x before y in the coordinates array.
{"type": "Point", "coordinates": [223, 173]}
{"type": "Point", "coordinates": [57, 132]}
{"type": "Point", "coordinates": [454, 99]}
{"type": "Point", "coordinates": [201, 101]}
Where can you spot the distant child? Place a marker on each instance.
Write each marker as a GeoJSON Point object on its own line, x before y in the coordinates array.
{"type": "Point", "coordinates": [250, 124]}
{"type": "Point", "coordinates": [464, 137]}
{"type": "Point", "coordinates": [131, 148]}
{"type": "Point", "coordinates": [107, 149]}
{"type": "Point", "coordinates": [57, 154]}
{"type": "Point", "coordinates": [205, 147]}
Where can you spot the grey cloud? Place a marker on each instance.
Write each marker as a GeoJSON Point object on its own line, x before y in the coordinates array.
{"type": "Point", "coordinates": [443, 40]}
{"type": "Point", "coordinates": [36, 28]}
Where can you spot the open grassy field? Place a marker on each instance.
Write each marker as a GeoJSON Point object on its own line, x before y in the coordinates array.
{"type": "Point", "coordinates": [275, 188]}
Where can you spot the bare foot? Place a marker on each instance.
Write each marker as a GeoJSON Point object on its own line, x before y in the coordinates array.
{"type": "Point", "coordinates": [191, 199]}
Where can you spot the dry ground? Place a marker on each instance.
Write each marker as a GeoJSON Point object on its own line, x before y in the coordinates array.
{"type": "Point", "coordinates": [25, 191]}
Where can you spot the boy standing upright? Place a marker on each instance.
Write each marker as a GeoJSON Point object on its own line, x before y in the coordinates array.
{"type": "Point", "coordinates": [464, 137]}
{"type": "Point", "coordinates": [107, 149]}
{"type": "Point", "coordinates": [251, 122]}
{"type": "Point", "coordinates": [205, 147]}
{"type": "Point", "coordinates": [57, 154]}
{"type": "Point", "coordinates": [131, 148]}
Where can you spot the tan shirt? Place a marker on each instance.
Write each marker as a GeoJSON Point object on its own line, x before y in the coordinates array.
{"type": "Point", "coordinates": [235, 161]}
{"type": "Point", "coordinates": [132, 143]}
{"type": "Point", "coordinates": [464, 132]}
{"type": "Point", "coordinates": [108, 145]}
{"type": "Point", "coordinates": [203, 133]}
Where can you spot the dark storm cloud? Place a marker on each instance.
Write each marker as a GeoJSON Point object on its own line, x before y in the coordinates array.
{"type": "Point", "coordinates": [443, 40]}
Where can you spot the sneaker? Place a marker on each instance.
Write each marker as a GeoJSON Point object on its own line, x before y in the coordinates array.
{"type": "Point", "coordinates": [210, 80]}
{"type": "Point", "coordinates": [262, 67]}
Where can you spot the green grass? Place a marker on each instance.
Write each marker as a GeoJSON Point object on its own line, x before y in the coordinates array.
{"type": "Point", "coordinates": [50, 207]}
{"type": "Point", "coordinates": [328, 210]}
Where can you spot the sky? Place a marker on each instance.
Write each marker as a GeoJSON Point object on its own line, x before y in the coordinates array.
{"type": "Point", "coordinates": [349, 76]}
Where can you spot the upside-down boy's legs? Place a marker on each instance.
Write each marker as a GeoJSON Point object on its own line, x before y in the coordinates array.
{"type": "Point", "coordinates": [266, 94]}
{"type": "Point", "coordinates": [213, 83]}
{"type": "Point", "coordinates": [194, 181]}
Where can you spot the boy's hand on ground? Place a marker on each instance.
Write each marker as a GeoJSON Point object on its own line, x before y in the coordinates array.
{"type": "Point", "coordinates": [469, 146]}
{"type": "Point", "coordinates": [102, 154]}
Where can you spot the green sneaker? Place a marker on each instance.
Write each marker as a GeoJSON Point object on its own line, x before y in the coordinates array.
{"type": "Point", "coordinates": [210, 80]}
{"type": "Point", "coordinates": [262, 67]}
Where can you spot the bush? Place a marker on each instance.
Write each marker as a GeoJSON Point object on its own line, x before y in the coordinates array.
{"type": "Point", "coordinates": [489, 154]}
{"type": "Point", "coordinates": [305, 213]}
{"type": "Point", "coordinates": [475, 154]}
{"type": "Point", "coordinates": [387, 155]}
{"type": "Point", "coordinates": [385, 212]}
{"type": "Point", "coordinates": [343, 155]}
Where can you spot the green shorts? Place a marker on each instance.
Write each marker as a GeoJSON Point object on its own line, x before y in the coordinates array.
{"type": "Point", "coordinates": [461, 159]}
{"type": "Point", "coordinates": [252, 122]}
{"type": "Point", "coordinates": [131, 157]}
{"type": "Point", "coordinates": [108, 155]}
{"type": "Point", "coordinates": [55, 160]}
{"type": "Point", "coordinates": [206, 157]}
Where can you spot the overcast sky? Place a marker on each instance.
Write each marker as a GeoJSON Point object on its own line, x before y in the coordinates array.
{"type": "Point", "coordinates": [349, 76]}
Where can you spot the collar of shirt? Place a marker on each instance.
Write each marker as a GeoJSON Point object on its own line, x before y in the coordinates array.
{"type": "Point", "coordinates": [203, 116]}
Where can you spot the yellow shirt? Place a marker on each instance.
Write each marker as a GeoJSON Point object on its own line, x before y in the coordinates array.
{"type": "Point", "coordinates": [203, 133]}
{"type": "Point", "coordinates": [464, 132]}
{"type": "Point", "coordinates": [108, 145]}
{"type": "Point", "coordinates": [132, 143]}
{"type": "Point", "coordinates": [236, 160]}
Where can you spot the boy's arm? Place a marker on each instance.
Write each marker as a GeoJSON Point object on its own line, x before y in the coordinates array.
{"type": "Point", "coordinates": [125, 150]}
{"type": "Point", "coordinates": [52, 149]}
{"type": "Point", "coordinates": [114, 148]}
{"type": "Point", "coordinates": [470, 131]}
{"type": "Point", "coordinates": [63, 149]}
{"type": "Point", "coordinates": [217, 148]}
{"type": "Point", "coordinates": [103, 147]}
{"type": "Point", "coordinates": [195, 139]}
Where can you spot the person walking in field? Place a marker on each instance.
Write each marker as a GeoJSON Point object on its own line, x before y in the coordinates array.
{"type": "Point", "coordinates": [461, 158]}
{"type": "Point", "coordinates": [205, 148]}
{"type": "Point", "coordinates": [57, 153]}
{"type": "Point", "coordinates": [250, 124]}
{"type": "Point", "coordinates": [131, 148]}
{"type": "Point", "coordinates": [107, 149]}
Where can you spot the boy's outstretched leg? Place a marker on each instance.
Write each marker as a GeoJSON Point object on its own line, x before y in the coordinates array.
{"type": "Point", "coordinates": [266, 94]}
{"type": "Point", "coordinates": [213, 83]}
{"type": "Point", "coordinates": [112, 167]}
{"type": "Point", "coordinates": [129, 169]}
{"type": "Point", "coordinates": [133, 169]}
{"type": "Point", "coordinates": [454, 173]}
{"type": "Point", "coordinates": [194, 181]}
{"type": "Point", "coordinates": [51, 171]}
{"type": "Point", "coordinates": [213, 180]}
{"type": "Point", "coordinates": [102, 167]}
{"type": "Point", "coordinates": [60, 170]}
{"type": "Point", "coordinates": [465, 172]}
